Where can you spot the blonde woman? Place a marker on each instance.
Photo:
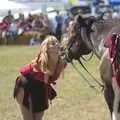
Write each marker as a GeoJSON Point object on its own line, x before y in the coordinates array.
{"type": "Point", "coordinates": [33, 88]}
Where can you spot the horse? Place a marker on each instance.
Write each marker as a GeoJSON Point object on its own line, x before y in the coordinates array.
{"type": "Point", "coordinates": [91, 35]}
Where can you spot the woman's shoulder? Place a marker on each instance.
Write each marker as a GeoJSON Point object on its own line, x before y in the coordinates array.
{"type": "Point", "coordinates": [26, 68]}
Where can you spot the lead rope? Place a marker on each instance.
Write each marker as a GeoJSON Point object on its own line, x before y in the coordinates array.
{"type": "Point", "coordinates": [81, 74]}
{"type": "Point", "coordinates": [94, 79]}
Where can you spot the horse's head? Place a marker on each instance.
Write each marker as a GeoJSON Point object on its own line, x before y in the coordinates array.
{"type": "Point", "coordinates": [78, 43]}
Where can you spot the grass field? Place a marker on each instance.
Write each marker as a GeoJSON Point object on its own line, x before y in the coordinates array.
{"type": "Point", "coordinates": [75, 100]}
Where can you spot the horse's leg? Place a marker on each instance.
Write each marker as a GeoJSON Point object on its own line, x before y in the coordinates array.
{"type": "Point", "coordinates": [116, 102]}
{"type": "Point", "coordinates": [106, 76]}
{"type": "Point", "coordinates": [111, 91]}
{"type": "Point", "coordinates": [109, 96]}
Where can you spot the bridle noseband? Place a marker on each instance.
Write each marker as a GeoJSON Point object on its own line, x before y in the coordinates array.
{"type": "Point", "coordinates": [80, 40]}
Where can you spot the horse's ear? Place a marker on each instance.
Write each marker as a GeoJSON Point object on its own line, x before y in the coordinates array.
{"type": "Point", "coordinates": [78, 18]}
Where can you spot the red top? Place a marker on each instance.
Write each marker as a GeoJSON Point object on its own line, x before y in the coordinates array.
{"type": "Point", "coordinates": [40, 75]}
{"type": "Point", "coordinates": [29, 69]}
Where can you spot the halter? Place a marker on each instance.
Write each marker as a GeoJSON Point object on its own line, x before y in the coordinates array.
{"type": "Point", "coordinates": [79, 28]}
{"type": "Point", "coordinates": [78, 38]}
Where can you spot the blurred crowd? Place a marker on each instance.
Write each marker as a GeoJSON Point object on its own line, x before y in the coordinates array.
{"type": "Point", "coordinates": [42, 23]}
{"type": "Point", "coordinates": [54, 22]}
{"type": "Point", "coordinates": [13, 26]}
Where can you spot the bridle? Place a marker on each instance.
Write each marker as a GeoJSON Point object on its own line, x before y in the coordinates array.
{"type": "Point", "coordinates": [78, 36]}
{"type": "Point", "coordinates": [79, 40]}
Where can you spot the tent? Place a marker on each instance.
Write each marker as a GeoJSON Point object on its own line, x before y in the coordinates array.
{"type": "Point", "coordinates": [6, 4]}
{"type": "Point", "coordinates": [15, 7]}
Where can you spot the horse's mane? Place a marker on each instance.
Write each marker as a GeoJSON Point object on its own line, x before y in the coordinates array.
{"type": "Point", "coordinates": [108, 21]}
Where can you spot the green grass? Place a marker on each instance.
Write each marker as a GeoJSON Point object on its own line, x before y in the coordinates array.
{"type": "Point", "coordinates": [75, 100]}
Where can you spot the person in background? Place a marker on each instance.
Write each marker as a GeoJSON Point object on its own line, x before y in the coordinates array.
{"type": "Point", "coordinates": [51, 14]}
{"type": "Point", "coordinates": [66, 22]}
{"type": "Point", "coordinates": [45, 30]}
{"type": "Point", "coordinates": [21, 17]}
{"type": "Point", "coordinates": [37, 23]}
{"type": "Point", "coordinates": [59, 20]}
{"type": "Point", "coordinates": [12, 31]}
{"type": "Point", "coordinates": [33, 88]}
{"type": "Point", "coordinates": [30, 18]}
{"type": "Point", "coordinates": [9, 18]}
{"type": "Point", "coordinates": [29, 21]}
{"type": "Point", "coordinates": [13, 28]}
{"type": "Point", "coordinates": [109, 14]}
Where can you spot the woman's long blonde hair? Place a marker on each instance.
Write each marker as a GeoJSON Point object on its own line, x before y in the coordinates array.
{"type": "Point", "coordinates": [41, 61]}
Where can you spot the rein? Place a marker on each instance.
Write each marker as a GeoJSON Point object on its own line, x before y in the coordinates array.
{"type": "Point", "coordinates": [94, 79]}
{"type": "Point", "coordinates": [89, 30]}
{"type": "Point", "coordinates": [84, 27]}
{"type": "Point", "coordinates": [86, 80]}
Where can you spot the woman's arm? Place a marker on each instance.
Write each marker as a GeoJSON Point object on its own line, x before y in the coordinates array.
{"type": "Point", "coordinates": [59, 68]}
